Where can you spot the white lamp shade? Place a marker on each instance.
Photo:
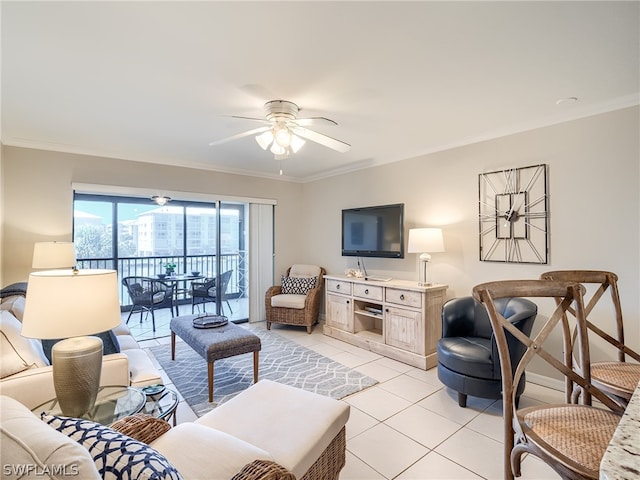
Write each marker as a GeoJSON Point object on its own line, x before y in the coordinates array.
{"type": "Point", "coordinates": [62, 304]}
{"type": "Point", "coordinates": [53, 255]}
{"type": "Point", "coordinates": [265, 139]}
{"type": "Point", "coordinates": [423, 240]}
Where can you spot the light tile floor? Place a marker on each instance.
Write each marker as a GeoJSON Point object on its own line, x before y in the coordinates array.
{"type": "Point", "coordinates": [409, 426]}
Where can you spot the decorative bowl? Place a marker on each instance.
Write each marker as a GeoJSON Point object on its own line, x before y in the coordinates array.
{"type": "Point", "coordinates": [195, 273]}
{"type": "Point", "coordinates": [162, 276]}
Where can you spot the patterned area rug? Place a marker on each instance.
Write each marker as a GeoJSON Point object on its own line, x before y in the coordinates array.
{"type": "Point", "coordinates": [281, 360]}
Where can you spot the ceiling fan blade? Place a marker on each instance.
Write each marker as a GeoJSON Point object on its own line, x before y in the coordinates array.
{"type": "Point", "coordinates": [261, 120]}
{"type": "Point", "coordinates": [239, 135]}
{"type": "Point", "coordinates": [322, 139]}
{"type": "Point", "coordinates": [315, 121]}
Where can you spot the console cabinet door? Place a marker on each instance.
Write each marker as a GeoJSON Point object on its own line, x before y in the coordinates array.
{"type": "Point", "coordinates": [404, 329]}
{"type": "Point", "coordinates": [339, 312]}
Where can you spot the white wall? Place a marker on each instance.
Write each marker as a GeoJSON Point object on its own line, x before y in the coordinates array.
{"type": "Point", "coordinates": [38, 199]}
{"type": "Point", "coordinates": [593, 172]}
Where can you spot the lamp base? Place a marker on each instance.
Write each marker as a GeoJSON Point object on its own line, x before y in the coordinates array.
{"type": "Point", "coordinates": [77, 365]}
{"type": "Point", "coordinates": [424, 278]}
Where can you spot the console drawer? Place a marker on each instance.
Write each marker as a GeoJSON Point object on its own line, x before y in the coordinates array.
{"type": "Point", "coordinates": [407, 298]}
{"type": "Point", "coordinates": [338, 286]}
{"type": "Point", "coordinates": [367, 291]}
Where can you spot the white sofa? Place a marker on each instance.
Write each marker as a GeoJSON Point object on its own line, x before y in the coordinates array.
{"type": "Point", "coordinates": [27, 375]}
{"type": "Point", "coordinates": [300, 431]}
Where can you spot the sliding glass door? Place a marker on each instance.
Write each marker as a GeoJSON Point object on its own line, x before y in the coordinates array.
{"type": "Point", "coordinates": [137, 237]}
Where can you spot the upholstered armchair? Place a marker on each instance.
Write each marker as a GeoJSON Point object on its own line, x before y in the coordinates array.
{"type": "Point", "coordinates": [297, 301]}
{"type": "Point", "coordinates": [468, 360]}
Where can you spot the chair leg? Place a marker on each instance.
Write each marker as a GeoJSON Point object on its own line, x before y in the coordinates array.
{"type": "Point", "coordinates": [153, 319]}
{"type": "Point", "coordinates": [462, 400]}
{"type": "Point", "coordinates": [228, 305]}
{"type": "Point", "coordinates": [129, 316]}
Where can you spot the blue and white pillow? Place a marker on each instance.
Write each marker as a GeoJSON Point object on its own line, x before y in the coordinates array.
{"type": "Point", "coordinates": [116, 456]}
{"type": "Point", "coordinates": [298, 285]}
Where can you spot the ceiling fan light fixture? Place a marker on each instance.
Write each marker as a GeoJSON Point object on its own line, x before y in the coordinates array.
{"type": "Point", "coordinates": [283, 137]}
{"type": "Point", "coordinates": [265, 139]}
{"type": "Point", "coordinates": [296, 143]}
{"type": "Point", "coordinates": [278, 149]}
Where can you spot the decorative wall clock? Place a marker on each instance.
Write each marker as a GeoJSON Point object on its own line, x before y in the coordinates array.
{"type": "Point", "coordinates": [514, 215]}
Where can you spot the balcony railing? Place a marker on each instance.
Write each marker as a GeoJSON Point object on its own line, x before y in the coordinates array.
{"type": "Point", "coordinates": [152, 266]}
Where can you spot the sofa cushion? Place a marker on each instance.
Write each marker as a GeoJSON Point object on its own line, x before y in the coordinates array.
{"type": "Point", "coordinates": [127, 342]}
{"type": "Point", "coordinates": [109, 344]}
{"type": "Point", "coordinates": [26, 442]}
{"type": "Point", "coordinates": [19, 288]}
{"type": "Point", "coordinates": [115, 455]}
{"type": "Point", "coordinates": [188, 444]}
{"type": "Point", "coordinates": [14, 304]}
{"type": "Point", "coordinates": [142, 370]}
{"type": "Point", "coordinates": [296, 426]}
{"type": "Point", "coordinates": [298, 285]}
{"type": "Point", "coordinates": [288, 301]}
{"type": "Point", "coordinates": [18, 353]}
{"type": "Point", "coordinates": [122, 329]}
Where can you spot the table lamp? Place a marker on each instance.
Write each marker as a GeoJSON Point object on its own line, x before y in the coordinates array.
{"type": "Point", "coordinates": [70, 304]}
{"type": "Point", "coordinates": [53, 255]}
{"type": "Point", "coordinates": [425, 240]}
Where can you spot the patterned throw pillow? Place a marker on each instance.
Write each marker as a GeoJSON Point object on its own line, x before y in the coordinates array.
{"type": "Point", "coordinates": [298, 285]}
{"type": "Point", "coordinates": [115, 455]}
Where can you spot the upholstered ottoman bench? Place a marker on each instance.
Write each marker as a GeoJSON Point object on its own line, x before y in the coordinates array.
{"type": "Point", "coordinates": [302, 431]}
{"type": "Point", "coordinates": [215, 343]}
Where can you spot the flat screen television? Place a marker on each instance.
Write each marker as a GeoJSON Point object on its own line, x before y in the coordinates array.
{"type": "Point", "coordinates": [373, 231]}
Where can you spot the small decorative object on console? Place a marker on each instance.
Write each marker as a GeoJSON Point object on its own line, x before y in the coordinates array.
{"type": "Point", "coordinates": [352, 272]}
{"type": "Point", "coordinates": [210, 321]}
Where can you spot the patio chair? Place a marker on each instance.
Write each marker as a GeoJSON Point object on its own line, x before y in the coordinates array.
{"type": "Point", "coordinates": [620, 377]}
{"type": "Point", "coordinates": [570, 438]}
{"type": "Point", "coordinates": [147, 295]}
{"type": "Point", "coordinates": [203, 292]}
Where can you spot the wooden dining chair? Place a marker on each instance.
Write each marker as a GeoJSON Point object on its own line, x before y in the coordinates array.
{"type": "Point", "coordinates": [570, 438]}
{"type": "Point", "coordinates": [620, 377]}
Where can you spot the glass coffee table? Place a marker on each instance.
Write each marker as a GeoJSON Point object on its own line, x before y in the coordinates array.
{"type": "Point", "coordinates": [161, 402]}
{"type": "Point", "coordinates": [116, 402]}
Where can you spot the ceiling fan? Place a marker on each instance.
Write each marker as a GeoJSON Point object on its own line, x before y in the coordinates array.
{"type": "Point", "coordinates": [284, 132]}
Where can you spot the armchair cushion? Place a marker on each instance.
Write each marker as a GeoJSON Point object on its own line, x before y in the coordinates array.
{"type": "Point", "coordinates": [301, 270]}
{"type": "Point", "coordinates": [18, 353]}
{"type": "Point", "coordinates": [298, 285]}
{"type": "Point", "coordinates": [288, 301]}
{"type": "Point", "coordinates": [115, 455]}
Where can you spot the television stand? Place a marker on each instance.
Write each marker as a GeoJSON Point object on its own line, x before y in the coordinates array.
{"type": "Point", "coordinates": [397, 318]}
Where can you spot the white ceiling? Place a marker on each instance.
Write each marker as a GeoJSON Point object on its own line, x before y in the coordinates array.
{"type": "Point", "coordinates": [158, 81]}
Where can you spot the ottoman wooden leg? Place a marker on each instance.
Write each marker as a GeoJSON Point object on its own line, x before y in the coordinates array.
{"type": "Point", "coordinates": [255, 365]}
{"type": "Point", "coordinates": [173, 346]}
{"type": "Point", "coordinates": [210, 375]}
